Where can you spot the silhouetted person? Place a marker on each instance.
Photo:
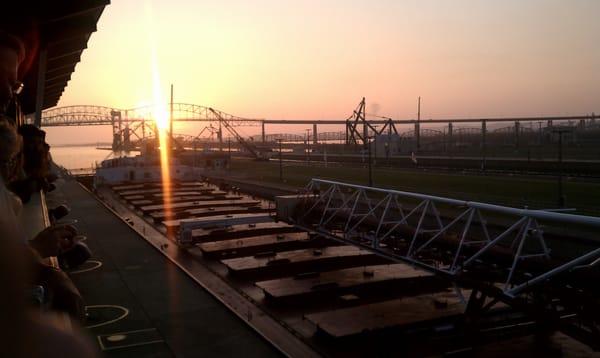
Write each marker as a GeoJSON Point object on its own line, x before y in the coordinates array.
{"type": "Point", "coordinates": [26, 332]}
{"type": "Point", "coordinates": [12, 53]}
{"type": "Point", "coordinates": [35, 175]}
{"type": "Point", "coordinates": [50, 241]}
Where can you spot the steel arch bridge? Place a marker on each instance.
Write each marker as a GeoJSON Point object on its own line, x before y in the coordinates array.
{"type": "Point", "coordinates": [424, 132]}
{"type": "Point", "coordinates": [332, 136]}
{"type": "Point", "coordinates": [87, 115]}
{"type": "Point", "coordinates": [467, 131]}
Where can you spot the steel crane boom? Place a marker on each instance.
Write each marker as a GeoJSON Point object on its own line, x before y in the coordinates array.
{"type": "Point", "coordinates": [256, 153]}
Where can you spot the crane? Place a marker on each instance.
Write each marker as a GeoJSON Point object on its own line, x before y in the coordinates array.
{"type": "Point", "coordinates": [256, 153]}
{"type": "Point", "coordinates": [208, 128]}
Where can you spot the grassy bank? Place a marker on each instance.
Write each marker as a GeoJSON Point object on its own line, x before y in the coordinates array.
{"type": "Point", "coordinates": [505, 190]}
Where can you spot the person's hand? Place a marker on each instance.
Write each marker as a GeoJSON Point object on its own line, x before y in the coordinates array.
{"type": "Point", "coordinates": [54, 239]}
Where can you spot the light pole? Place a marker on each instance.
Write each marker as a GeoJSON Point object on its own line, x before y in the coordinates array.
{"type": "Point", "coordinates": [307, 146]}
{"type": "Point", "coordinates": [370, 167]}
{"type": "Point", "coordinates": [280, 161]}
{"type": "Point", "coordinates": [375, 143]}
{"type": "Point", "coordinates": [483, 144]}
{"type": "Point", "coordinates": [387, 151]}
{"type": "Point", "coordinates": [560, 131]}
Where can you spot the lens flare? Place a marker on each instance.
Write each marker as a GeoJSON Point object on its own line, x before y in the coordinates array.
{"type": "Point", "coordinates": [161, 119]}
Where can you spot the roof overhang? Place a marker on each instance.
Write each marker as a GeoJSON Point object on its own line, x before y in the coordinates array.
{"type": "Point", "coordinates": [65, 27]}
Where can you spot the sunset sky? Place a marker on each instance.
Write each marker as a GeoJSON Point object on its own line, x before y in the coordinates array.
{"type": "Point", "coordinates": [316, 59]}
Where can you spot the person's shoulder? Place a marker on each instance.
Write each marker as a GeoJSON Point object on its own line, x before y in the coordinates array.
{"type": "Point", "coordinates": [56, 341]}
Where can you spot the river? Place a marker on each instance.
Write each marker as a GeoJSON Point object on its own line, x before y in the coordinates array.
{"type": "Point", "coordinates": [78, 156]}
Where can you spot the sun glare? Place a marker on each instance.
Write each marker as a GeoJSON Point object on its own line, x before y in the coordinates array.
{"type": "Point", "coordinates": [161, 119]}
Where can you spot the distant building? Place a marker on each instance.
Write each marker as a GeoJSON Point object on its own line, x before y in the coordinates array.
{"type": "Point", "coordinates": [384, 145]}
{"type": "Point", "coordinates": [207, 160]}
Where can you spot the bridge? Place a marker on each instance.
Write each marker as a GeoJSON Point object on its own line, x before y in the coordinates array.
{"type": "Point", "coordinates": [359, 126]}
{"type": "Point", "coordinates": [87, 115]}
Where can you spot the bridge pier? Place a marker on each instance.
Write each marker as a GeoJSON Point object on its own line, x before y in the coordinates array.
{"type": "Point", "coordinates": [117, 123]}
{"type": "Point", "coordinates": [263, 131]}
{"type": "Point", "coordinates": [315, 136]}
{"type": "Point", "coordinates": [126, 138]}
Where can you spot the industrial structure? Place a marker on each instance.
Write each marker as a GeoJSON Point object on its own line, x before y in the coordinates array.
{"type": "Point", "coordinates": [432, 135]}
{"type": "Point", "coordinates": [503, 254]}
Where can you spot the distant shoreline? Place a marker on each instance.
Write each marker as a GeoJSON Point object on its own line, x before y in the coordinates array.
{"type": "Point", "coordinates": [96, 144]}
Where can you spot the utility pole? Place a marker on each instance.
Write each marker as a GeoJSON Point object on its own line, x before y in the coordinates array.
{"type": "Point", "coordinates": [418, 125]}
{"type": "Point", "coordinates": [220, 135]}
{"type": "Point", "coordinates": [194, 151]}
{"type": "Point", "coordinates": [375, 144]}
{"type": "Point", "coordinates": [307, 146]}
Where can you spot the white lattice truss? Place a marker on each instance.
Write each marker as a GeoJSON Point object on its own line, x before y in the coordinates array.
{"type": "Point", "coordinates": [353, 206]}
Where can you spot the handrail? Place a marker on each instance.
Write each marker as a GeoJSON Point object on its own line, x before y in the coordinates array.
{"type": "Point", "coordinates": [535, 214]}
{"type": "Point", "coordinates": [326, 200]}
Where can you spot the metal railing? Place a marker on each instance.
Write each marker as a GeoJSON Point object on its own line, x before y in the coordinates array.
{"type": "Point", "coordinates": [372, 216]}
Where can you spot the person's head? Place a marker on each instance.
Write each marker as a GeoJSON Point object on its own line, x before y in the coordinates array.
{"type": "Point", "coordinates": [35, 151]}
{"type": "Point", "coordinates": [12, 53]}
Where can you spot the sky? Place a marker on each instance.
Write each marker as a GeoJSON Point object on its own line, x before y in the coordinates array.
{"type": "Point", "coordinates": [315, 59]}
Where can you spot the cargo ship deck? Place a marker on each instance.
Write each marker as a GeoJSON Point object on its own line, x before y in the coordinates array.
{"type": "Point", "coordinates": [259, 287]}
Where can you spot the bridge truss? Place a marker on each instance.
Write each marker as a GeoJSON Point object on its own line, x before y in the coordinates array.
{"type": "Point", "coordinates": [504, 254]}
{"type": "Point", "coordinates": [131, 125]}
{"type": "Point", "coordinates": [359, 130]}
{"type": "Point", "coordinates": [99, 115]}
